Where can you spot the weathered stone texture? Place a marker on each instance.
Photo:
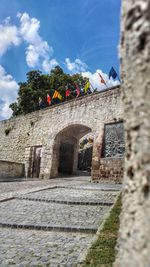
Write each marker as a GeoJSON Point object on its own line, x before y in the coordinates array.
{"type": "Point", "coordinates": [66, 122]}
{"type": "Point", "coordinates": [109, 168]}
{"type": "Point", "coordinates": [135, 52]}
{"type": "Point", "coordinates": [11, 169]}
{"type": "Point", "coordinates": [52, 227]}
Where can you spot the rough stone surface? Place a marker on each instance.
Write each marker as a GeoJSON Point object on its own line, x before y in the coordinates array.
{"type": "Point", "coordinates": [37, 248]}
{"type": "Point", "coordinates": [11, 169]}
{"type": "Point", "coordinates": [134, 238]}
{"type": "Point", "coordinates": [70, 235]}
{"type": "Point", "coordinates": [69, 195]}
{"type": "Point", "coordinates": [65, 123]}
{"type": "Point", "coordinates": [38, 213]}
{"type": "Point", "coordinates": [109, 167]}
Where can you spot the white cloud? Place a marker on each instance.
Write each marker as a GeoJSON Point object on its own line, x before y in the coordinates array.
{"type": "Point", "coordinates": [38, 51]}
{"type": "Point", "coordinates": [8, 93]}
{"type": "Point", "coordinates": [36, 54]}
{"type": "Point", "coordinates": [29, 28]}
{"type": "Point", "coordinates": [32, 56]}
{"type": "Point", "coordinates": [9, 35]}
{"type": "Point", "coordinates": [95, 79]}
{"type": "Point", "coordinates": [48, 65]}
{"type": "Point", "coordinates": [76, 66]}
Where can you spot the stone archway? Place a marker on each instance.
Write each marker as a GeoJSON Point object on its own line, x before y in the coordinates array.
{"type": "Point", "coordinates": [65, 149]}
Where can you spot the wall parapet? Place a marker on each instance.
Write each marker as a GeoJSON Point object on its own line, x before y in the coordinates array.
{"type": "Point", "coordinates": [69, 120]}
{"type": "Point", "coordinates": [116, 90]}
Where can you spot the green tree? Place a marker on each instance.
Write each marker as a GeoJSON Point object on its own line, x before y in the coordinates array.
{"type": "Point", "coordinates": [38, 85]}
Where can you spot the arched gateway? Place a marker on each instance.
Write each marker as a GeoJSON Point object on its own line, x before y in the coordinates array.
{"type": "Point", "coordinates": [46, 141]}
{"type": "Point", "coordinates": [65, 149]}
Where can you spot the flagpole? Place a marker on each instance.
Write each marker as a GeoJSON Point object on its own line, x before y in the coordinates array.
{"type": "Point", "coordinates": [106, 85]}
{"type": "Point", "coordinates": [102, 80]}
{"type": "Point", "coordinates": [119, 79]}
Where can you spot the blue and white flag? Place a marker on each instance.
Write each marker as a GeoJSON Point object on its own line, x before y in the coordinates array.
{"type": "Point", "coordinates": [113, 73]}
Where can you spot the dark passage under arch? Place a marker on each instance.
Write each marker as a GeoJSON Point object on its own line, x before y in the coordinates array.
{"type": "Point", "coordinates": [66, 158]}
{"type": "Point", "coordinates": [65, 150]}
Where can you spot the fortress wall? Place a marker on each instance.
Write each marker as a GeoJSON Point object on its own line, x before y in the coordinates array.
{"type": "Point", "coordinates": [41, 127]}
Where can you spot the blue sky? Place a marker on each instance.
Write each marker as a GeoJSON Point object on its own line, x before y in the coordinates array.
{"type": "Point", "coordinates": [79, 35]}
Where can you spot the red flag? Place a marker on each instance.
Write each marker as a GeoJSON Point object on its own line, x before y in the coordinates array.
{"type": "Point", "coordinates": [48, 99]}
{"type": "Point", "coordinates": [68, 92]}
{"type": "Point", "coordinates": [101, 79]}
{"type": "Point", "coordinates": [77, 89]}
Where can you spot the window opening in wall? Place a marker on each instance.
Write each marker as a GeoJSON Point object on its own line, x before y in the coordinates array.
{"type": "Point", "coordinates": [113, 142]}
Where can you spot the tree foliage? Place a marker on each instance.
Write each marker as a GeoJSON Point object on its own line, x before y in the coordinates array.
{"type": "Point", "coordinates": [38, 85]}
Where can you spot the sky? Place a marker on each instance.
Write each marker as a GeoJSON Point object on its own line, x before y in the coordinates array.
{"type": "Point", "coordinates": [79, 35]}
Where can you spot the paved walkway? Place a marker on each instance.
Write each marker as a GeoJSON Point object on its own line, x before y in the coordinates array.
{"type": "Point", "coordinates": [51, 223]}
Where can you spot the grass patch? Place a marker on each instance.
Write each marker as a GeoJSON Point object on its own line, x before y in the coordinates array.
{"type": "Point", "coordinates": [102, 253]}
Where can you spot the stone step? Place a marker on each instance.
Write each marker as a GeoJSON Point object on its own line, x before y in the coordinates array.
{"type": "Point", "coordinates": [72, 196]}
{"type": "Point", "coordinates": [92, 188]}
{"type": "Point", "coordinates": [24, 213]}
{"type": "Point", "coordinates": [103, 203]}
{"type": "Point", "coordinates": [91, 230]}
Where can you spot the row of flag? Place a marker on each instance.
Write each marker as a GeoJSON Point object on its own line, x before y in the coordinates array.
{"type": "Point", "coordinates": [112, 73]}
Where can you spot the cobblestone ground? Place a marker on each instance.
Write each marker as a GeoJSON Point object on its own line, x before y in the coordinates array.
{"type": "Point", "coordinates": [73, 195]}
{"type": "Point", "coordinates": [39, 248]}
{"type": "Point", "coordinates": [69, 209]}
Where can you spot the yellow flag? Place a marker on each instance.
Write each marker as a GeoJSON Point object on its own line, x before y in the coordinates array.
{"type": "Point", "coordinates": [57, 95]}
{"type": "Point", "coordinates": [86, 87]}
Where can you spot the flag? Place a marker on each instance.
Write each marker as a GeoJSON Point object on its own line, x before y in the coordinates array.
{"type": "Point", "coordinates": [101, 79]}
{"type": "Point", "coordinates": [68, 92]}
{"type": "Point", "coordinates": [77, 89]}
{"type": "Point", "coordinates": [86, 87]}
{"type": "Point", "coordinates": [57, 95]}
{"type": "Point", "coordinates": [48, 99]}
{"type": "Point", "coordinates": [85, 141]}
{"type": "Point", "coordinates": [113, 73]}
{"type": "Point", "coordinates": [41, 103]}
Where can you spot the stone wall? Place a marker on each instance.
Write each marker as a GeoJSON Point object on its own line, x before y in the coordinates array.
{"type": "Point", "coordinates": [109, 168]}
{"type": "Point", "coordinates": [134, 238]}
{"type": "Point", "coordinates": [108, 155]}
{"type": "Point", "coordinates": [11, 169]}
{"type": "Point", "coordinates": [46, 129]}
